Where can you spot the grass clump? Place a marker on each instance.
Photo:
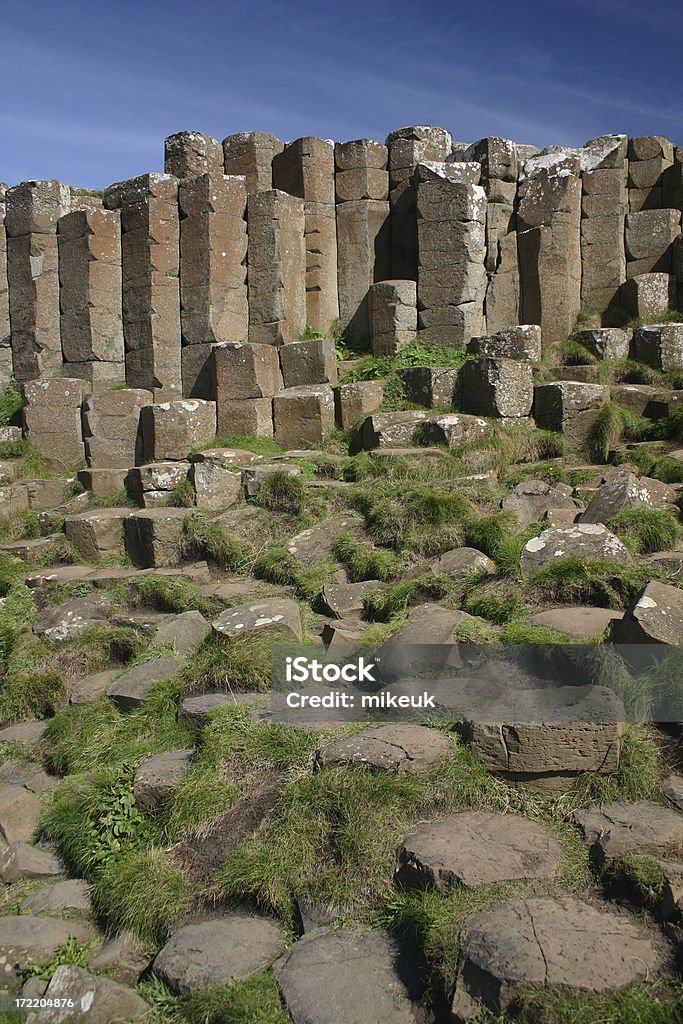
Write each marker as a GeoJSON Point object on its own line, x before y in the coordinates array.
{"type": "Point", "coordinates": [387, 603]}
{"type": "Point", "coordinates": [172, 594]}
{"type": "Point", "coordinates": [573, 353]}
{"type": "Point", "coordinates": [646, 530]}
{"type": "Point", "coordinates": [265, 446]}
{"type": "Point", "coordinates": [255, 1000]}
{"type": "Point", "coordinates": [574, 580]}
{"type": "Point", "coordinates": [282, 494]}
{"type": "Point", "coordinates": [647, 1003]}
{"type": "Point", "coordinates": [276, 565]}
{"type": "Point", "coordinates": [363, 562]}
{"type": "Point", "coordinates": [10, 405]}
{"type": "Point", "coordinates": [666, 469]}
{"type": "Point", "coordinates": [636, 778]}
{"type": "Point", "coordinates": [224, 664]}
{"type": "Point", "coordinates": [206, 540]}
{"type": "Point", "coordinates": [612, 424]}
{"type": "Point", "coordinates": [424, 520]}
{"type": "Point", "coordinates": [636, 877]}
{"type": "Point", "coordinates": [23, 525]}
{"type": "Point", "coordinates": [72, 952]}
{"type": "Point", "coordinates": [182, 495]}
{"type": "Point", "coordinates": [497, 608]}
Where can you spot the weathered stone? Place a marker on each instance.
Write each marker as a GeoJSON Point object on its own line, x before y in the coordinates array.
{"type": "Point", "coordinates": [354, 402]}
{"type": "Point", "coordinates": [660, 345]}
{"type": "Point", "coordinates": [397, 748]}
{"type": "Point", "coordinates": [184, 632]}
{"type": "Point", "coordinates": [19, 861]}
{"type": "Point", "coordinates": [66, 621]}
{"type": "Point", "coordinates": [27, 940]}
{"type": "Point", "coordinates": [122, 956]}
{"type": "Point", "coordinates": [19, 813]}
{"type": "Point", "coordinates": [584, 540]}
{"type": "Point", "coordinates": [132, 688]}
{"type": "Point", "coordinates": [218, 951]}
{"type": "Point", "coordinates": [655, 616]}
{"type": "Point", "coordinates": [363, 257]}
{"type": "Point", "coordinates": [532, 499]}
{"type": "Point", "coordinates": [111, 427]}
{"type": "Point", "coordinates": [52, 420]}
{"type": "Point", "coordinates": [313, 544]}
{"type": "Point", "coordinates": [153, 485]}
{"type": "Point", "coordinates": [649, 236]}
{"type": "Point", "coordinates": [616, 830]}
{"type": "Point", "coordinates": [461, 563]}
{"type": "Point", "coordinates": [251, 154]}
{"type": "Point", "coordinates": [26, 733]}
{"type": "Point", "coordinates": [97, 534]}
{"type": "Point", "coordinates": [606, 342]}
{"type": "Point", "coordinates": [649, 295]}
{"type": "Point", "coordinates": [496, 387]}
{"type": "Point", "coordinates": [250, 417]}
{"type": "Point", "coordinates": [451, 283]}
{"type": "Point", "coordinates": [672, 789]}
{"type": "Point", "coordinates": [152, 536]}
{"type": "Point", "coordinates": [226, 458]}
{"type": "Point", "coordinates": [252, 479]}
{"type": "Point", "coordinates": [71, 896]}
{"type": "Point", "coordinates": [170, 430]}
{"type": "Point", "coordinates": [347, 600]}
{"type": "Point", "coordinates": [215, 488]}
{"type": "Point", "coordinates": [88, 689]}
{"type": "Point", "coordinates": [603, 206]}
{"type": "Point", "coordinates": [361, 170]}
{"type": "Point", "coordinates": [557, 944]}
{"type": "Point", "coordinates": [303, 416]}
{"type": "Point", "coordinates": [434, 387]}
{"type": "Point", "coordinates": [213, 257]}
{"type": "Point", "coordinates": [476, 848]}
{"type": "Point", "coordinates": [34, 207]}
{"type": "Point", "coordinates": [522, 342]}
{"type": "Point", "coordinates": [345, 976]}
{"type": "Point", "coordinates": [454, 429]}
{"type": "Point", "coordinates": [95, 999]}
{"type": "Point", "coordinates": [624, 491]}
{"type": "Point", "coordinates": [196, 366]}
{"type": "Point", "coordinates": [189, 154]}
{"type": "Point", "coordinates": [390, 429]}
{"type": "Point", "coordinates": [309, 362]}
{"type": "Point", "coordinates": [150, 249]}
{"type": "Point", "coordinates": [157, 778]}
{"type": "Point", "coordinates": [577, 623]}
{"type": "Point", "coordinates": [274, 615]}
{"type": "Point", "coordinates": [392, 308]}
{"type": "Point", "coordinates": [103, 483]}
{"type": "Point", "coordinates": [277, 267]}
{"type": "Point", "coordinates": [196, 712]}
{"type": "Point", "coordinates": [502, 302]}
{"type": "Point", "coordinates": [569, 407]}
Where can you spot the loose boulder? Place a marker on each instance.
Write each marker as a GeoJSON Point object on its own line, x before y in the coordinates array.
{"type": "Point", "coordinates": [275, 615]}
{"type": "Point", "coordinates": [396, 748]}
{"type": "Point", "coordinates": [655, 616]}
{"type": "Point", "coordinates": [583, 540]}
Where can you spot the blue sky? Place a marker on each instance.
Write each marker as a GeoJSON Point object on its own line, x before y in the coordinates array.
{"type": "Point", "coordinates": [89, 90]}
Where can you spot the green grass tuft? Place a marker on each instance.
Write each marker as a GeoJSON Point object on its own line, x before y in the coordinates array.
{"type": "Point", "coordinates": [282, 494]}
{"type": "Point", "coordinates": [363, 562]}
{"type": "Point", "coordinates": [203, 539]}
{"type": "Point", "coordinates": [646, 530]}
{"type": "Point", "coordinates": [386, 603]}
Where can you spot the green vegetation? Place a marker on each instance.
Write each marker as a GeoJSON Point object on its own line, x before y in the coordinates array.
{"type": "Point", "coordinates": [574, 580]}
{"type": "Point", "coordinates": [182, 495]}
{"type": "Point", "coordinates": [70, 952]}
{"type": "Point", "coordinates": [10, 405]}
{"type": "Point", "coordinates": [363, 562]}
{"type": "Point", "coordinates": [230, 663]}
{"type": "Point", "coordinates": [385, 368]}
{"type": "Point", "coordinates": [203, 539]}
{"type": "Point", "coordinates": [386, 603]}
{"type": "Point", "coordinates": [646, 530]}
{"type": "Point", "coordinates": [265, 446]}
{"type": "Point", "coordinates": [173, 594]}
{"type": "Point", "coordinates": [612, 424]}
{"type": "Point", "coordinates": [282, 494]}
{"type": "Point", "coordinates": [276, 565]}
{"type": "Point", "coordinates": [636, 877]}
{"type": "Point", "coordinates": [647, 1003]}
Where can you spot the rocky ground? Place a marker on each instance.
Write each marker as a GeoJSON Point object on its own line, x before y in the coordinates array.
{"type": "Point", "coordinates": [170, 853]}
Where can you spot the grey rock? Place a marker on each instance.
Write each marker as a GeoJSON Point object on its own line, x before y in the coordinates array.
{"type": "Point", "coordinates": [97, 999]}
{"type": "Point", "coordinates": [615, 830]}
{"type": "Point", "coordinates": [132, 688]}
{"type": "Point", "coordinates": [399, 748]}
{"type": "Point", "coordinates": [584, 540]}
{"type": "Point", "coordinates": [157, 778]}
{"type": "Point", "coordinates": [275, 615]}
{"type": "Point", "coordinates": [25, 940]}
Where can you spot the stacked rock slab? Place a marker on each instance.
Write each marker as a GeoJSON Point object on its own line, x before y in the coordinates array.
{"type": "Point", "coordinates": [52, 420]}
{"type": "Point", "coordinates": [451, 282]}
{"type": "Point", "coordinates": [363, 230]}
{"type": "Point", "coordinates": [5, 334]}
{"type": "Point", "coordinates": [649, 236]}
{"type": "Point", "coordinates": [604, 204]}
{"type": "Point", "coordinates": [305, 168]}
{"type": "Point", "coordinates": [245, 379]}
{"type": "Point", "coordinates": [189, 154]}
{"type": "Point", "coordinates": [409, 147]}
{"type": "Point", "coordinates": [649, 157]}
{"type": "Point", "coordinates": [648, 295]}
{"type": "Point", "coordinates": [392, 306]}
{"type": "Point", "coordinates": [89, 243]}
{"type": "Point", "coordinates": [251, 154]}
{"type": "Point", "coordinates": [549, 242]}
{"type": "Point", "coordinates": [32, 211]}
{"type": "Point", "coordinates": [213, 273]}
{"type": "Point", "coordinates": [499, 163]}
{"type": "Point", "coordinates": [150, 257]}
{"type": "Point", "coordinates": [172, 429]}
{"type": "Point", "coordinates": [569, 407]}
{"type": "Point", "coordinates": [111, 428]}
{"type": "Point", "coordinates": [277, 267]}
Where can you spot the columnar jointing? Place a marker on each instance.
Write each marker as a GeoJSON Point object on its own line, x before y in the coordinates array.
{"type": "Point", "coordinates": [363, 231]}
{"type": "Point", "coordinates": [604, 205]}
{"type": "Point", "coordinates": [5, 333]}
{"type": "Point", "coordinates": [251, 154]}
{"type": "Point", "coordinates": [305, 168]}
{"type": "Point", "coordinates": [276, 267]}
{"type": "Point", "coordinates": [32, 211]}
{"type": "Point", "coordinates": [150, 270]}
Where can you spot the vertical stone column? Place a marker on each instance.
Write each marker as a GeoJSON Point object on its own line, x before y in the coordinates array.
{"type": "Point", "coordinates": [305, 168]}
{"type": "Point", "coordinates": [90, 296]}
{"type": "Point", "coordinates": [363, 230]}
{"type": "Point", "coordinates": [150, 253]}
{"type": "Point", "coordinates": [649, 157]}
{"type": "Point", "coordinates": [276, 257]}
{"type": "Point", "coordinates": [251, 154]}
{"type": "Point", "coordinates": [604, 204]}
{"type": "Point", "coordinates": [409, 147]}
{"type": "Point", "coordinates": [32, 211]}
{"type": "Point", "coordinates": [189, 154]}
{"type": "Point", "coordinates": [451, 283]}
{"type": "Point", "coordinates": [213, 273]}
{"type": "Point", "coordinates": [5, 337]}
{"type": "Point", "coordinates": [549, 242]}
{"type": "Point", "coordinates": [499, 172]}
{"type": "Point", "coordinates": [52, 420]}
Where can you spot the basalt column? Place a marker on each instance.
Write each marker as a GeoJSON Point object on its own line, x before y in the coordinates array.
{"type": "Point", "coordinates": [213, 273]}
{"type": "Point", "coordinates": [90, 296]}
{"type": "Point", "coordinates": [604, 204]}
{"type": "Point", "coordinates": [549, 243]}
{"type": "Point", "coordinates": [5, 342]}
{"type": "Point", "coordinates": [251, 154]}
{"type": "Point", "coordinates": [276, 257]}
{"type": "Point", "coordinates": [363, 230]}
{"type": "Point", "coordinates": [305, 168]}
{"type": "Point", "coordinates": [32, 211]}
{"type": "Point", "coordinates": [409, 147]}
{"type": "Point", "coordinates": [189, 154]}
{"type": "Point", "coordinates": [499, 172]}
{"type": "Point", "coordinates": [451, 283]}
{"type": "Point", "coordinates": [150, 269]}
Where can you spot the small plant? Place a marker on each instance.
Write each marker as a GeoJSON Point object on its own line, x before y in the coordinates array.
{"type": "Point", "coordinates": [282, 494]}
{"type": "Point", "coordinates": [386, 603]}
{"type": "Point", "coordinates": [636, 877]}
{"type": "Point", "coordinates": [573, 353]}
{"type": "Point", "coordinates": [646, 530]}
{"type": "Point", "coordinates": [71, 952]}
{"type": "Point", "coordinates": [182, 495]}
{"type": "Point", "coordinates": [310, 334]}
{"type": "Point", "coordinates": [203, 539]}
{"type": "Point", "coordinates": [10, 405]}
{"type": "Point", "coordinates": [363, 562]}
{"type": "Point", "coordinates": [23, 525]}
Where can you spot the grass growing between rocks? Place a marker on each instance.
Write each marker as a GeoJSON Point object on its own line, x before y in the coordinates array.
{"type": "Point", "coordinates": [385, 368]}
{"type": "Point", "coordinates": [203, 539]}
{"type": "Point", "coordinates": [363, 562]}
{"type": "Point", "coordinates": [637, 878]}
{"type": "Point", "coordinates": [646, 530]}
{"type": "Point", "coordinates": [276, 565]}
{"type": "Point", "coordinates": [230, 663]}
{"type": "Point", "coordinates": [613, 424]}
{"type": "Point", "coordinates": [660, 1002]}
{"type": "Point", "coordinates": [266, 447]}
{"type": "Point", "coordinates": [255, 1000]}
{"type": "Point", "coordinates": [573, 580]}
{"type": "Point", "coordinates": [386, 603]}
{"type": "Point", "coordinates": [172, 594]}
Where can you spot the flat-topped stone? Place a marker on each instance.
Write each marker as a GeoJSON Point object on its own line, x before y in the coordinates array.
{"type": "Point", "coordinates": [20, 860]}
{"type": "Point", "coordinates": [157, 777]}
{"type": "Point", "coordinates": [68, 620]}
{"type": "Point", "coordinates": [399, 748]}
{"type": "Point", "coordinates": [132, 688]}
{"type": "Point", "coordinates": [274, 615]}
{"type": "Point", "coordinates": [196, 712]}
{"type": "Point", "coordinates": [25, 940]}
{"type": "Point", "coordinates": [107, 1001]}
{"type": "Point", "coordinates": [615, 830]}
{"type": "Point", "coordinates": [583, 540]}
{"type": "Point", "coordinates": [578, 623]}
{"type": "Point", "coordinates": [654, 616]}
